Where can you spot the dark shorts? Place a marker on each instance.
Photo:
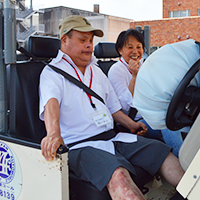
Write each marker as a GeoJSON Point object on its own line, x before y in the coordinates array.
{"type": "Point", "coordinates": [97, 166]}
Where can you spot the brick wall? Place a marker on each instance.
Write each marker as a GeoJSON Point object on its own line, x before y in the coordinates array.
{"type": "Point", "coordinates": [171, 30]}
{"type": "Point", "coordinates": [175, 5]}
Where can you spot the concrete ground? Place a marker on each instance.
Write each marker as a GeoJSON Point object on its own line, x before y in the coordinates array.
{"type": "Point", "coordinates": [159, 190]}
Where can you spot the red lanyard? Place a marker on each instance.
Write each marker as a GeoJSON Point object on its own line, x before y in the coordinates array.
{"type": "Point", "coordinates": [126, 66]}
{"type": "Point", "coordinates": [89, 96]}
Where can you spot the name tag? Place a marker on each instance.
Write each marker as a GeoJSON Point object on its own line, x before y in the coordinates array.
{"type": "Point", "coordinates": [101, 119]}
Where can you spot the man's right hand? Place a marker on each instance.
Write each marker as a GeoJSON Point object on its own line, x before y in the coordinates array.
{"type": "Point", "coordinates": [49, 146]}
{"type": "Point", "coordinates": [53, 140]}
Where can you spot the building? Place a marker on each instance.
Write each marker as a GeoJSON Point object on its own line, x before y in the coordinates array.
{"type": "Point", "coordinates": [25, 21]}
{"type": "Point", "coordinates": [181, 21]}
{"type": "Point", "coordinates": [110, 25]}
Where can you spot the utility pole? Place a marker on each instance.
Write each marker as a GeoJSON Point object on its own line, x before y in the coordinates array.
{"type": "Point", "coordinates": [3, 99]}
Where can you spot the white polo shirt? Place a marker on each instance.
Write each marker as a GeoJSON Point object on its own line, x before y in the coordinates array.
{"type": "Point", "coordinates": [76, 112]}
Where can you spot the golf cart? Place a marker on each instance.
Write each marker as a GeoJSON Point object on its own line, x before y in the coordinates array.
{"type": "Point", "coordinates": [24, 173]}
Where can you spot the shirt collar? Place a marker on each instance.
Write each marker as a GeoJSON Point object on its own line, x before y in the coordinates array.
{"type": "Point", "coordinates": [62, 54]}
{"type": "Point", "coordinates": [124, 61]}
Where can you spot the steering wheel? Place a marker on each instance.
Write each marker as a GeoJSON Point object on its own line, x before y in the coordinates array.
{"type": "Point", "coordinates": [176, 117]}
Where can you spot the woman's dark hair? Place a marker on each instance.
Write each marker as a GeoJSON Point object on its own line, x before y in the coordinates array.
{"type": "Point", "coordinates": [123, 38]}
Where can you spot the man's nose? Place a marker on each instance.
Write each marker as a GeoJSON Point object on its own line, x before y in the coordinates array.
{"type": "Point", "coordinates": [88, 44]}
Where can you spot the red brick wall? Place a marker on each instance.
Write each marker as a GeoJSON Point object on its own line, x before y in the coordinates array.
{"type": "Point", "coordinates": [168, 30]}
{"type": "Point", "coordinates": [175, 5]}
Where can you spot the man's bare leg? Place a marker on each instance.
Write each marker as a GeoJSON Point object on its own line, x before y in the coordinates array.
{"type": "Point", "coordinates": [121, 186]}
{"type": "Point", "coordinates": [171, 170]}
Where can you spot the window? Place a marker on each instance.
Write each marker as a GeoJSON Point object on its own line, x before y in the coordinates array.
{"type": "Point", "coordinates": [198, 12]}
{"type": "Point", "coordinates": [179, 13]}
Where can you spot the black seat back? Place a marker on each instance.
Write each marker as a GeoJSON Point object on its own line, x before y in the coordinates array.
{"type": "Point", "coordinates": [23, 81]}
{"type": "Point", "coordinates": [105, 53]}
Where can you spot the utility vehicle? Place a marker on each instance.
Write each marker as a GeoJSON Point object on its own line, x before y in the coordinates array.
{"type": "Point", "coordinates": [24, 173]}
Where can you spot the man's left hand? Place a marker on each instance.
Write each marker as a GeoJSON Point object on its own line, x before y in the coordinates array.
{"type": "Point", "coordinates": [139, 129]}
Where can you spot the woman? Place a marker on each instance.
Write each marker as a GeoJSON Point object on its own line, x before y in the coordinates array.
{"type": "Point", "coordinates": [122, 75]}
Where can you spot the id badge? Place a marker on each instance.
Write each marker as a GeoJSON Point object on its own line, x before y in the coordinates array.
{"type": "Point", "coordinates": [101, 118]}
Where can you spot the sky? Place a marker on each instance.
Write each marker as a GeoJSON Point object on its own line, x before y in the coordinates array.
{"type": "Point", "coordinates": [138, 10]}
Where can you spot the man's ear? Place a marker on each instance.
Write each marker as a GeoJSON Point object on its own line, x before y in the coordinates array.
{"type": "Point", "coordinates": [64, 39]}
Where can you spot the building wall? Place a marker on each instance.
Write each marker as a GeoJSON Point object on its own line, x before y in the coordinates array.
{"type": "Point", "coordinates": [171, 30]}
{"type": "Point", "coordinates": [100, 23]}
{"type": "Point", "coordinates": [167, 30]}
{"type": "Point", "coordinates": [175, 5]}
{"type": "Point", "coordinates": [114, 26]}
{"type": "Point", "coordinates": [53, 16]}
{"type": "Point", "coordinates": [110, 25]}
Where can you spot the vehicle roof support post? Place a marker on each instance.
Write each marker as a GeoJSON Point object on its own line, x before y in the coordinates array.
{"type": "Point", "coordinates": [139, 28]}
{"type": "Point", "coordinates": [147, 35]}
{"type": "Point", "coordinates": [9, 32]}
{"type": "Point", "coordinates": [3, 100]}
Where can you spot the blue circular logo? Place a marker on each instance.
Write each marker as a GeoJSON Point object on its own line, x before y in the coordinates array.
{"type": "Point", "coordinates": [7, 164]}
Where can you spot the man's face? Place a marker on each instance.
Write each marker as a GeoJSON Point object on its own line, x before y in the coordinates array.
{"type": "Point", "coordinates": [79, 47]}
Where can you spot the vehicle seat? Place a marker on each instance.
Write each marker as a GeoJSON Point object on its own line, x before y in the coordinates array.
{"type": "Point", "coordinates": [22, 82]}
{"type": "Point", "coordinates": [106, 54]}
{"type": "Point", "coordinates": [24, 122]}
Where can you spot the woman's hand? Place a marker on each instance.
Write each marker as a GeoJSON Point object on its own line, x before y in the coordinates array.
{"type": "Point", "coordinates": [133, 66]}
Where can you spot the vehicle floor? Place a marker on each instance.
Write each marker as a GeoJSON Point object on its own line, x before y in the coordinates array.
{"type": "Point", "coordinates": [159, 190]}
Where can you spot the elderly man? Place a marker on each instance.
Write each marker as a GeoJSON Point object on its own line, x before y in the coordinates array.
{"type": "Point", "coordinates": [73, 117]}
